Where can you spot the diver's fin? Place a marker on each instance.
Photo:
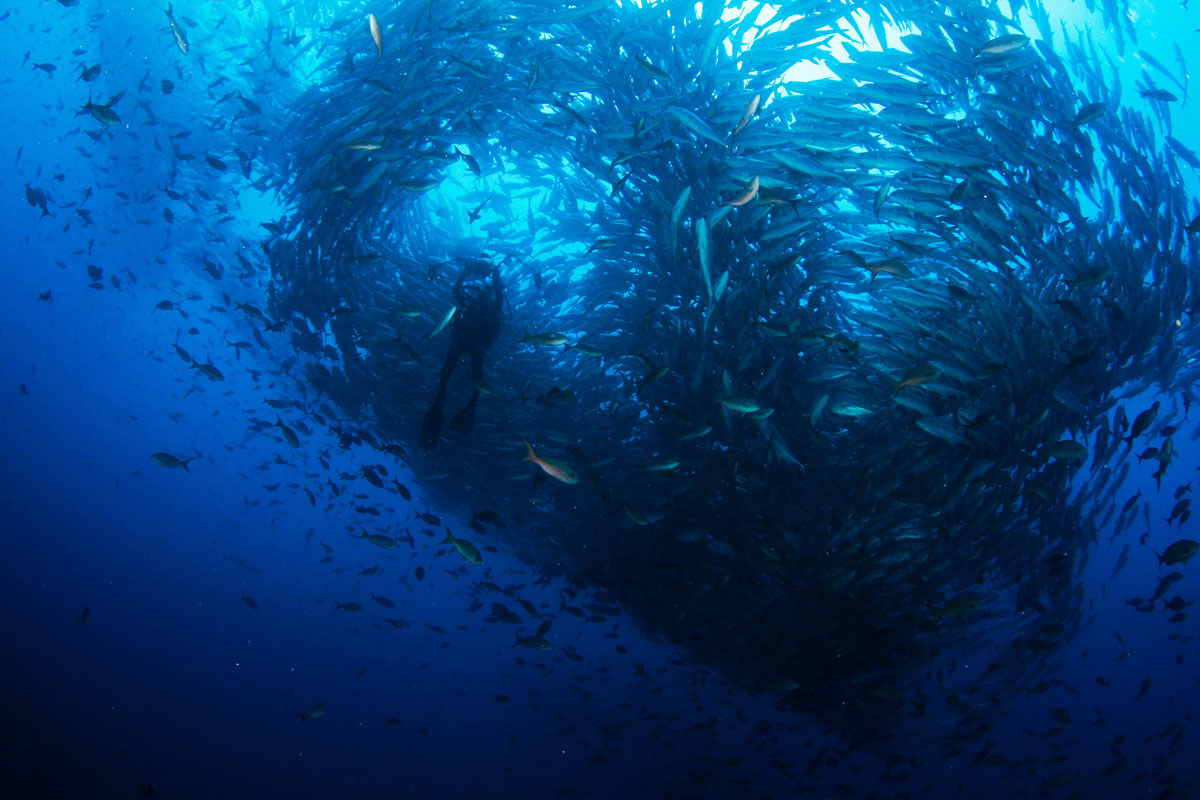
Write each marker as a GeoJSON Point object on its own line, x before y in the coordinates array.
{"type": "Point", "coordinates": [464, 420]}
{"type": "Point", "coordinates": [431, 428]}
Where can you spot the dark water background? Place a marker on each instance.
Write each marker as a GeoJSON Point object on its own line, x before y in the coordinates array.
{"type": "Point", "coordinates": [174, 679]}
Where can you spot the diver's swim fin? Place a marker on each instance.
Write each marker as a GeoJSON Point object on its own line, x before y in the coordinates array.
{"type": "Point", "coordinates": [464, 420]}
{"type": "Point", "coordinates": [431, 428]}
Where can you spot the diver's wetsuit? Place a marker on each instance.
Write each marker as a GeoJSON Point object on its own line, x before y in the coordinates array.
{"type": "Point", "coordinates": [475, 327]}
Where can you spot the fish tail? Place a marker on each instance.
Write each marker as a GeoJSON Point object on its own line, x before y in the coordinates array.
{"type": "Point", "coordinates": [532, 456]}
{"type": "Point", "coordinates": [185, 463]}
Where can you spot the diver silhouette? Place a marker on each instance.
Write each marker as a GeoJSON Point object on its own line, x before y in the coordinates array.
{"type": "Point", "coordinates": [476, 325]}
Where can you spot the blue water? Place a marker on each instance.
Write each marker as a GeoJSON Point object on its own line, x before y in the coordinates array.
{"type": "Point", "coordinates": [175, 680]}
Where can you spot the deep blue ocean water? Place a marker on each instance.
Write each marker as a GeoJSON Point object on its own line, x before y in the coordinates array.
{"type": "Point", "coordinates": [174, 679]}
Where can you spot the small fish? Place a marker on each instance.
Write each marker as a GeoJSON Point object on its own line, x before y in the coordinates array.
{"type": "Point", "coordinates": [695, 433]}
{"type": "Point", "coordinates": [544, 339]}
{"type": "Point", "coordinates": [90, 74]}
{"type": "Point", "coordinates": [751, 109]}
{"type": "Point", "coordinates": [288, 434]}
{"type": "Point", "coordinates": [312, 714]}
{"type": "Point", "coordinates": [1178, 552]}
{"type": "Point", "coordinates": [1089, 113]}
{"type": "Point", "coordinates": [379, 540]}
{"type": "Point", "coordinates": [557, 397]}
{"type": "Point", "coordinates": [208, 370]}
{"type": "Point", "coordinates": [351, 606]}
{"type": "Point", "coordinates": [445, 321]}
{"type": "Point", "coordinates": [744, 405]}
{"type": "Point", "coordinates": [1003, 44]}
{"type": "Point", "coordinates": [248, 601]}
{"type": "Point", "coordinates": [473, 165]}
{"type": "Point", "coordinates": [168, 460]}
{"type": "Point", "coordinates": [537, 641]}
{"type": "Point", "coordinates": [488, 516]}
{"type": "Point", "coordinates": [603, 243]}
{"type": "Point", "coordinates": [83, 615]}
{"type": "Point", "coordinates": [917, 376]}
{"type": "Point", "coordinates": [746, 196]}
{"type": "Point", "coordinates": [102, 113]}
{"type": "Point", "coordinates": [1066, 450]}
{"type": "Point", "coordinates": [465, 549]}
{"type": "Point", "coordinates": [376, 35]}
{"type": "Point", "coordinates": [179, 33]}
{"type": "Point", "coordinates": [958, 606]}
{"type": "Point", "coordinates": [559, 470]}
{"type": "Point", "coordinates": [1162, 95]}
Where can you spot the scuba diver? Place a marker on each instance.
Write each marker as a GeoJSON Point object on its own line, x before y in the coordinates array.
{"type": "Point", "coordinates": [476, 325]}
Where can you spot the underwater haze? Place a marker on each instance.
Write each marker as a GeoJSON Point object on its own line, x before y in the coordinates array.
{"type": "Point", "coordinates": [600, 399]}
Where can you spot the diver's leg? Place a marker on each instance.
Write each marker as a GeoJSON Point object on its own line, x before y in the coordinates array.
{"type": "Point", "coordinates": [464, 420]}
{"type": "Point", "coordinates": [431, 427]}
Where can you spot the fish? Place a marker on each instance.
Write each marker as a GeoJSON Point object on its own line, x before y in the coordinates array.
{"type": "Point", "coordinates": [465, 549]}
{"type": "Point", "coordinates": [1002, 44]}
{"type": "Point", "coordinates": [941, 428]}
{"type": "Point", "coordinates": [168, 460]}
{"type": "Point", "coordinates": [289, 435]}
{"type": "Point", "coordinates": [751, 110]}
{"type": "Point", "coordinates": [1065, 450]}
{"type": "Point", "coordinates": [208, 370]}
{"type": "Point", "coordinates": [746, 196]}
{"type": "Point", "coordinates": [557, 397]}
{"type": "Point", "coordinates": [379, 540]}
{"type": "Point", "coordinates": [1161, 95]}
{"type": "Point", "coordinates": [1142, 422]}
{"type": "Point", "coordinates": [376, 35]}
{"type": "Point", "coordinates": [441, 326]}
{"type": "Point", "coordinates": [313, 713]}
{"type": "Point", "coordinates": [1178, 552]}
{"type": "Point", "coordinates": [917, 376]}
{"type": "Point", "coordinates": [1089, 113]}
{"type": "Point", "coordinates": [544, 339]}
{"type": "Point", "coordinates": [559, 470]}
{"type": "Point", "coordinates": [744, 405]}
{"type": "Point", "coordinates": [959, 606]}
{"type": "Point", "coordinates": [537, 641]}
{"type": "Point", "coordinates": [181, 39]}
{"type": "Point", "coordinates": [103, 114]}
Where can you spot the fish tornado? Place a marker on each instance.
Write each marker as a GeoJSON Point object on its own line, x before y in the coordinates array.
{"type": "Point", "coordinates": [839, 306]}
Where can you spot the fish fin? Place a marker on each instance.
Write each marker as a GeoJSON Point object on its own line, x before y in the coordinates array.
{"type": "Point", "coordinates": [532, 456]}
